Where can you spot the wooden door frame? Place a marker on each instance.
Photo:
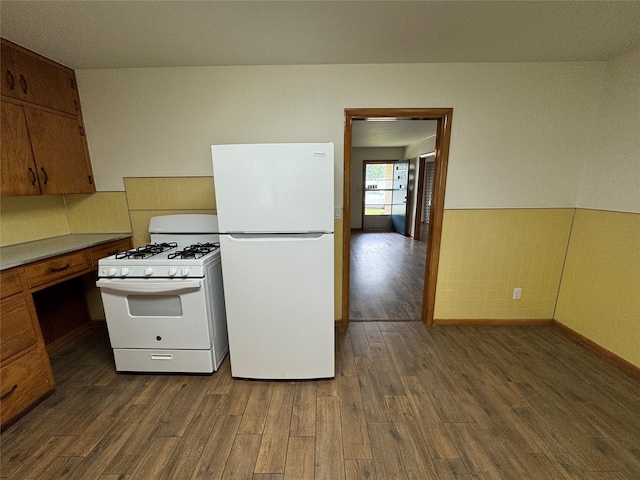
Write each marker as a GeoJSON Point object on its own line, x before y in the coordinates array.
{"type": "Point", "coordinates": [441, 161]}
{"type": "Point", "coordinates": [417, 223]}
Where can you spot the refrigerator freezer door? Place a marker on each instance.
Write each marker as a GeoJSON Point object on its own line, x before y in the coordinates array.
{"type": "Point", "coordinates": [279, 297]}
{"type": "Point", "coordinates": [274, 187]}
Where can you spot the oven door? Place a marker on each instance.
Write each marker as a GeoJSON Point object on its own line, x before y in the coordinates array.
{"type": "Point", "coordinates": [156, 313]}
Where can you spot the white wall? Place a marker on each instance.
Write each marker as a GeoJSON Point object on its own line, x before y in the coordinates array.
{"type": "Point", "coordinates": [611, 176]}
{"type": "Point", "coordinates": [520, 130]}
{"type": "Point", "coordinates": [426, 145]}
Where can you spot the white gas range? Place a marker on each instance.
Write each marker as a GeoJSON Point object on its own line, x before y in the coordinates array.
{"type": "Point", "coordinates": [164, 302]}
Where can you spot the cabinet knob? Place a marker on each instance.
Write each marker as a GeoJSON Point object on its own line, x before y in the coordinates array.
{"type": "Point", "coordinates": [46, 177]}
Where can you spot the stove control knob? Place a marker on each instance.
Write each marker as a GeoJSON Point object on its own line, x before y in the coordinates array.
{"type": "Point", "coordinates": [173, 271]}
{"type": "Point", "coordinates": [112, 271]}
{"type": "Point", "coordinates": [125, 271]}
{"type": "Point", "coordinates": [148, 271]}
{"type": "Point", "coordinates": [185, 271]}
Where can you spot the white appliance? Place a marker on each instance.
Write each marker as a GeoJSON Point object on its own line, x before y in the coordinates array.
{"type": "Point", "coordinates": [164, 302]}
{"type": "Point", "coordinates": [275, 212]}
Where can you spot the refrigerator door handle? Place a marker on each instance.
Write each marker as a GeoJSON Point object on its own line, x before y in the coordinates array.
{"type": "Point", "coordinates": [257, 237]}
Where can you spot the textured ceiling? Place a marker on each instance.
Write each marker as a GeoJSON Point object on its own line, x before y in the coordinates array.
{"type": "Point", "coordinates": [398, 133]}
{"type": "Point", "coordinates": [119, 34]}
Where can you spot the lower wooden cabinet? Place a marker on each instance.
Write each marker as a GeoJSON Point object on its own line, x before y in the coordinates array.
{"type": "Point", "coordinates": [23, 382]}
{"type": "Point", "coordinates": [25, 375]}
{"type": "Point", "coordinates": [25, 371]}
{"type": "Point", "coordinates": [108, 249]}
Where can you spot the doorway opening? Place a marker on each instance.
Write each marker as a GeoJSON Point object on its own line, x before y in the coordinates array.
{"type": "Point", "coordinates": [440, 156]}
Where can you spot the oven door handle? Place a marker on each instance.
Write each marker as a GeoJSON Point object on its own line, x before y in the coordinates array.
{"type": "Point", "coordinates": [151, 288]}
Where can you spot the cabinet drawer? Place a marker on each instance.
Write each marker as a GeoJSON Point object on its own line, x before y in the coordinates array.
{"type": "Point", "coordinates": [10, 283]}
{"type": "Point", "coordinates": [57, 268]}
{"type": "Point", "coordinates": [17, 326]}
{"type": "Point", "coordinates": [23, 382]}
{"type": "Point", "coordinates": [108, 249]}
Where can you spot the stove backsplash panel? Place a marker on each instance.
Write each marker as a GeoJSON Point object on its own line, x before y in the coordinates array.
{"type": "Point", "coordinates": [148, 197]}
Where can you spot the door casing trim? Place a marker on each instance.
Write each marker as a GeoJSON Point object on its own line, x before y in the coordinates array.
{"type": "Point", "coordinates": [443, 138]}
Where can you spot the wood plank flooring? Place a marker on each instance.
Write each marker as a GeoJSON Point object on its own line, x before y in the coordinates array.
{"type": "Point", "coordinates": [408, 402]}
{"type": "Point", "coordinates": [387, 276]}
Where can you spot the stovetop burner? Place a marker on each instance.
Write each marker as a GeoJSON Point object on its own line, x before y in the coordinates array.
{"type": "Point", "coordinates": [197, 250]}
{"type": "Point", "coordinates": [147, 251]}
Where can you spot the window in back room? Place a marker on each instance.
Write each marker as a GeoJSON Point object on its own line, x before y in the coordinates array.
{"type": "Point", "coordinates": [378, 187]}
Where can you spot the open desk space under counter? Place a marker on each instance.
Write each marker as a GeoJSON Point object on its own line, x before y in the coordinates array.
{"type": "Point", "coordinates": [43, 286]}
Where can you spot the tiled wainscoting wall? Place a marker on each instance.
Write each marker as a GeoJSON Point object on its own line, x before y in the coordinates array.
{"type": "Point", "coordinates": [485, 254]}
{"type": "Point", "coordinates": [600, 292]}
{"type": "Point", "coordinates": [579, 267]}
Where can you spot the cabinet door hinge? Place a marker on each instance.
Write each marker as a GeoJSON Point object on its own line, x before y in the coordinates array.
{"type": "Point", "coordinates": [73, 83]}
{"type": "Point", "coordinates": [81, 131]}
{"type": "Point", "coordinates": [90, 177]}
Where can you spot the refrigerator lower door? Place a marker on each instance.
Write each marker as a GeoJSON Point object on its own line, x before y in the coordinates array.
{"type": "Point", "coordinates": [279, 297]}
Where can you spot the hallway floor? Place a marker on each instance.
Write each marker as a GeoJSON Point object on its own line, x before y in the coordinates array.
{"type": "Point", "coordinates": [387, 275]}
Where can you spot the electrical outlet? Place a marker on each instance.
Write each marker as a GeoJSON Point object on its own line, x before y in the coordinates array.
{"type": "Point", "coordinates": [517, 293]}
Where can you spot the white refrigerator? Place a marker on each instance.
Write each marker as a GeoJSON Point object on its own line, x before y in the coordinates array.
{"type": "Point", "coordinates": [275, 214]}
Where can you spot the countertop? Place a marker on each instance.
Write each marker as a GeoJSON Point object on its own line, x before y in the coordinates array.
{"type": "Point", "coordinates": [23, 253]}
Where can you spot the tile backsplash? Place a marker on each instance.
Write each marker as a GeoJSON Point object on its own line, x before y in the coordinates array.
{"type": "Point", "coordinates": [24, 219]}
{"type": "Point", "coordinates": [172, 193]}
{"type": "Point", "coordinates": [151, 196]}
{"type": "Point", "coordinates": [101, 212]}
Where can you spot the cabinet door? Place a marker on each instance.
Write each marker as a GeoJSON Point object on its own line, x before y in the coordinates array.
{"type": "Point", "coordinates": [10, 77]}
{"type": "Point", "coordinates": [23, 382]}
{"type": "Point", "coordinates": [60, 152]}
{"type": "Point", "coordinates": [18, 166]}
{"type": "Point", "coordinates": [39, 81]}
{"type": "Point", "coordinates": [17, 325]}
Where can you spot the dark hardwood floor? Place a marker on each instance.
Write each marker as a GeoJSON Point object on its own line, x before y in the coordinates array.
{"type": "Point", "coordinates": [408, 402]}
{"type": "Point", "coordinates": [387, 276]}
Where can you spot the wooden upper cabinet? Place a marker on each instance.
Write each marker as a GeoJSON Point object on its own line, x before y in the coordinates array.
{"type": "Point", "coordinates": [44, 149]}
{"type": "Point", "coordinates": [35, 79]}
{"type": "Point", "coordinates": [60, 153]}
{"type": "Point", "coordinates": [19, 172]}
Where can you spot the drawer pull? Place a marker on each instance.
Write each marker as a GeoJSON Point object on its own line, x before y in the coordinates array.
{"type": "Point", "coordinates": [24, 85]}
{"type": "Point", "coordinates": [33, 176]}
{"type": "Point", "coordinates": [5, 395]}
{"type": "Point", "coordinates": [11, 81]}
{"type": "Point", "coordinates": [59, 269]}
{"type": "Point", "coordinates": [166, 356]}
